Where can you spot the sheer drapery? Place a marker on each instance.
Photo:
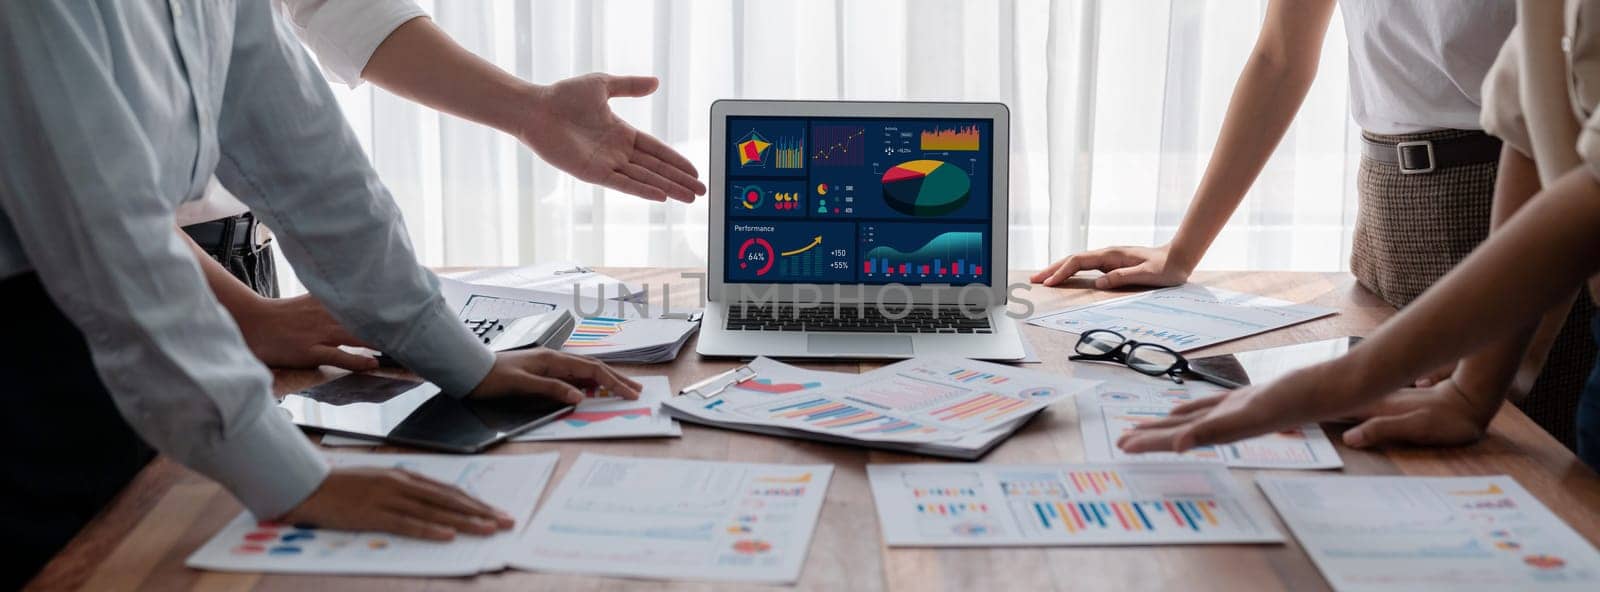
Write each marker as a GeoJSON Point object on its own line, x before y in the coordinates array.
{"type": "Point", "coordinates": [1115, 107]}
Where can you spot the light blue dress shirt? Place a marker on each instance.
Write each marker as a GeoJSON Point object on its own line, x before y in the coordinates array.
{"type": "Point", "coordinates": [112, 112]}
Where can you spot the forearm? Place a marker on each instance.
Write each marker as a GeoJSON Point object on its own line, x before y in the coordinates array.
{"type": "Point", "coordinates": [1269, 92]}
{"type": "Point", "coordinates": [1485, 376]}
{"type": "Point", "coordinates": [1491, 294]}
{"type": "Point", "coordinates": [288, 154]}
{"type": "Point", "coordinates": [420, 62]}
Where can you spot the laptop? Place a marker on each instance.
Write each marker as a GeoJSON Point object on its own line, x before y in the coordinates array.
{"type": "Point", "coordinates": [858, 230]}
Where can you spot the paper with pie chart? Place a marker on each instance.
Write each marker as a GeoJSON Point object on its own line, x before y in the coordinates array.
{"type": "Point", "coordinates": [971, 505]}
{"type": "Point", "coordinates": [1114, 407]}
{"type": "Point", "coordinates": [677, 519]}
{"type": "Point", "coordinates": [512, 483]}
{"type": "Point", "coordinates": [1383, 534]}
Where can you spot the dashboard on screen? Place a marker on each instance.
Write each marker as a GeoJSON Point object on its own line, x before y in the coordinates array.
{"type": "Point", "coordinates": [830, 200]}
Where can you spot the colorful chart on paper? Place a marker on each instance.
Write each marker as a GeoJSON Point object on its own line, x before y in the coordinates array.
{"type": "Point", "coordinates": [957, 505]}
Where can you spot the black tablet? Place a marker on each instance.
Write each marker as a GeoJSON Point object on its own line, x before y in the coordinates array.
{"type": "Point", "coordinates": [1265, 365]}
{"type": "Point", "coordinates": [416, 413]}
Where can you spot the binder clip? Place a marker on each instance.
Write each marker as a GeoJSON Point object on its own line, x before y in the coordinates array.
{"type": "Point", "coordinates": [718, 383]}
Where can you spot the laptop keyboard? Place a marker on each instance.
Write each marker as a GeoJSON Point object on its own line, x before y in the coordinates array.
{"type": "Point", "coordinates": [868, 319]}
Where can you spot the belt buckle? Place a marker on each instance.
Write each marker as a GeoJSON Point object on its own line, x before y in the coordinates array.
{"type": "Point", "coordinates": [1400, 157]}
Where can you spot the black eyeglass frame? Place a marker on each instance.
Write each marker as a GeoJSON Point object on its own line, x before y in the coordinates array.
{"type": "Point", "coordinates": [1124, 352]}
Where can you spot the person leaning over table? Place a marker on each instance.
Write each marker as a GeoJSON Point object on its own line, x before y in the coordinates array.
{"type": "Point", "coordinates": [396, 46]}
{"type": "Point", "coordinates": [112, 113]}
{"type": "Point", "coordinates": [1543, 99]}
{"type": "Point", "coordinates": [1427, 177]}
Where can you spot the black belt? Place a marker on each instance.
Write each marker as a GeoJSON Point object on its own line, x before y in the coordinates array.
{"type": "Point", "coordinates": [1426, 156]}
{"type": "Point", "coordinates": [234, 234]}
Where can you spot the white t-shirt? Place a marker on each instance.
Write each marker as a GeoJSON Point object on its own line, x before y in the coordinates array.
{"type": "Point", "coordinates": [1418, 65]}
{"type": "Point", "coordinates": [343, 34]}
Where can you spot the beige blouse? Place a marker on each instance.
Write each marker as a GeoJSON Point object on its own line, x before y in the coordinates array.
{"type": "Point", "coordinates": [1540, 96]}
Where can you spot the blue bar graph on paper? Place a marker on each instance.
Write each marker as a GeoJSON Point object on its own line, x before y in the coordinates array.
{"type": "Point", "coordinates": [1142, 517]}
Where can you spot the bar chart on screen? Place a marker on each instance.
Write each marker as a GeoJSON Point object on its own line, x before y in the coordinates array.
{"type": "Point", "coordinates": [899, 252]}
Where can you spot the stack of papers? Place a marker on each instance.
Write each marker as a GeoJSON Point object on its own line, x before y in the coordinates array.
{"type": "Point", "coordinates": [1431, 533]}
{"type": "Point", "coordinates": [1114, 407]}
{"type": "Point", "coordinates": [510, 483]}
{"type": "Point", "coordinates": [1183, 318]}
{"type": "Point", "coordinates": [678, 519]}
{"type": "Point", "coordinates": [937, 405]}
{"type": "Point", "coordinates": [562, 277]}
{"type": "Point", "coordinates": [630, 339]}
{"type": "Point", "coordinates": [963, 505]}
{"type": "Point", "coordinates": [598, 417]}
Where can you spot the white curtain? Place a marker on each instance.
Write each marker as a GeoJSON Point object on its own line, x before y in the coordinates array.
{"type": "Point", "coordinates": [1115, 106]}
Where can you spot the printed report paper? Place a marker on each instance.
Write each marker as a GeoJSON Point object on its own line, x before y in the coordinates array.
{"type": "Point", "coordinates": [921, 400]}
{"type": "Point", "coordinates": [1383, 534]}
{"type": "Point", "coordinates": [982, 505]}
{"type": "Point", "coordinates": [1183, 318]}
{"type": "Point", "coordinates": [511, 483]}
{"type": "Point", "coordinates": [677, 519]}
{"type": "Point", "coordinates": [1114, 407]}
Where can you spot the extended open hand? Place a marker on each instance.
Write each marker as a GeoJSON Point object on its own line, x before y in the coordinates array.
{"type": "Point", "coordinates": [572, 127]}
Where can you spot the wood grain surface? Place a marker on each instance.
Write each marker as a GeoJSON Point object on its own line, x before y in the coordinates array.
{"type": "Point", "coordinates": [141, 540]}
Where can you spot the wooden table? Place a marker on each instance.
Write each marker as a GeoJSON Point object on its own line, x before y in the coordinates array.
{"type": "Point", "coordinates": [142, 539]}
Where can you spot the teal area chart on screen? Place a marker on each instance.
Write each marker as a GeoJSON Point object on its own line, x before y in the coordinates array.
{"type": "Point", "coordinates": [870, 200]}
{"type": "Point", "coordinates": [918, 253]}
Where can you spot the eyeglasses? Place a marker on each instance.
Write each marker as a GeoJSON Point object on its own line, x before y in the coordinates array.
{"type": "Point", "coordinates": [1104, 345]}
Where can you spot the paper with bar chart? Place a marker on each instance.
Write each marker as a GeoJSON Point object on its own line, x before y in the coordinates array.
{"type": "Point", "coordinates": [925, 399]}
{"type": "Point", "coordinates": [1114, 407]}
{"type": "Point", "coordinates": [946, 407]}
{"type": "Point", "coordinates": [1383, 534]}
{"type": "Point", "coordinates": [965, 505]}
{"type": "Point", "coordinates": [511, 483]}
{"type": "Point", "coordinates": [607, 417]}
{"type": "Point", "coordinates": [629, 338]}
{"type": "Point", "coordinates": [677, 519]}
{"type": "Point", "coordinates": [1183, 318]}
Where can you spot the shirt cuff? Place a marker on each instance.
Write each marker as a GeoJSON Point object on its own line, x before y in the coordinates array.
{"type": "Point", "coordinates": [269, 465]}
{"type": "Point", "coordinates": [345, 34]}
{"type": "Point", "coordinates": [442, 350]}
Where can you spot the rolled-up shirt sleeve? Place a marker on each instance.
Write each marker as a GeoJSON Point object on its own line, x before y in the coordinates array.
{"type": "Point", "coordinates": [288, 153]}
{"type": "Point", "coordinates": [345, 33]}
{"type": "Point", "coordinates": [80, 191]}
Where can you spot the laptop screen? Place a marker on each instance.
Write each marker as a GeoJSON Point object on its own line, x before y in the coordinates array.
{"type": "Point", "coordinates": [829, 200]}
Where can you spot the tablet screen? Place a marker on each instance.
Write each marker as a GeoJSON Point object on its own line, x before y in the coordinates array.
{"type": "Point", "coordinates": [1265, 365]}
{"type": "Point", "coordinates": [415, 413]}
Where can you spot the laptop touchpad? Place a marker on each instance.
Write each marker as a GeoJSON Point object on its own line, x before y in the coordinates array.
{"type": "Point", "coordinates": [873, 345]}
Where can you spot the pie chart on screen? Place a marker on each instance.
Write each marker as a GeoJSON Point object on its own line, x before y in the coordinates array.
{"type": "Point", "coordinates": [926, 188]}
